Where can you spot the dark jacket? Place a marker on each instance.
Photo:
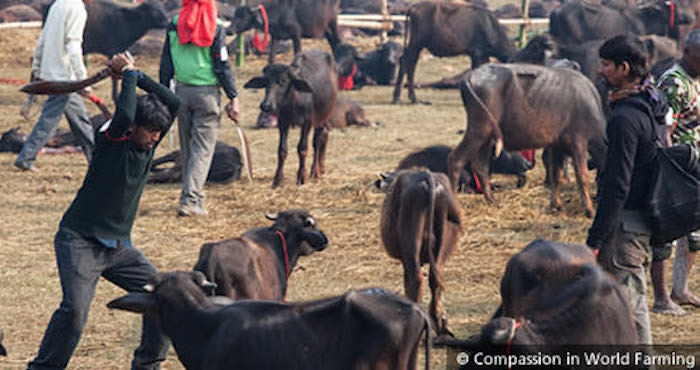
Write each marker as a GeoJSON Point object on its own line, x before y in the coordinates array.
{"type": "Point", "coordinates": [635, 123]}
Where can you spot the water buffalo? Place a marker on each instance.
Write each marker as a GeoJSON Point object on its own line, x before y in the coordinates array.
{"type": "Point", "coordinates": [378, 67]}
{"type": "Point", "coordinates": [257, 265]}
{"type": "Point", "coordinates": [434, 158]}
{"type": "Point", "coordinates": [524, 106]}
{"type": "Point", "coordinates": [578, 21]}
{"type": "Point", "coordinates": [362, 329]}
{"type": "Point", "coordinates": [555, 295]}
{"type": "Point", "coordinates": [300, 94]}
{"type": "Point", "coordinates": [347, 113]}
{"type": "Point", "coordinates": [537, 51]}
{"type": "Point", "coordinates": [225, 166]}
{"type": "Point", "coordinates": [291, 19]}
{"type": "Point", "coordinates": [450, 29]}
{"type": "Point", "coordinates": [421, 223]}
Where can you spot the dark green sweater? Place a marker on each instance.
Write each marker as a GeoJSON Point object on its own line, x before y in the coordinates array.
{"type": "Point", "coordinates": [106, 204]}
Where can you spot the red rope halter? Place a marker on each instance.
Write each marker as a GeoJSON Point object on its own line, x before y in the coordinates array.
{"type": "Point", "coordinates": [260, 46]}
{"type": "Point", "coordinates": [286, 255]}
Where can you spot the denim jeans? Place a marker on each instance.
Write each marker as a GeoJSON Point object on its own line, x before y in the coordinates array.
{"type": "Point", "coordinates": [81, 261]}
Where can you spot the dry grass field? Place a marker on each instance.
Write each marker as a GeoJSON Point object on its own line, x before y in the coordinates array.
{"type": "Point", "coordinates": [344, 202]}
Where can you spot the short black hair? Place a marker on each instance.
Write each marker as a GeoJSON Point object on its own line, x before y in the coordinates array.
{"type": "Point", "coordinates": [630, 49]}
{"type": "Point", "coordinates": [151, 113]}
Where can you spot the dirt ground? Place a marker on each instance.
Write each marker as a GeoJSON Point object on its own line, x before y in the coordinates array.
{"type": "Point", "coordinates": [344, 202]}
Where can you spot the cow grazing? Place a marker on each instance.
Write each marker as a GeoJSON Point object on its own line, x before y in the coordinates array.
{"type": "Point", "coordinates": [575, 22]}
{"type": "Point", "coordinates": [291, 19]}
{"type": "Point", "coordinates": [450, 29]}
{"type": "Point", "coordinates": [362, 329]}
{"type": "Point", "coordinates": [225, 166]}
{"type": "Point", "coordinates": [257, 264]}
{"type": "Point", "coordinates": [434, 158]}
{"type": "Point", "coordinates": [523, 106]}
{"type": "Point", "coordinates": [301, 94]}
{"type": "Point", "coordinates": [378, 67]}
{"type": "Point", "coordinates": [421, 223]}
{"type": "Point", "coordinates": [554, 295]}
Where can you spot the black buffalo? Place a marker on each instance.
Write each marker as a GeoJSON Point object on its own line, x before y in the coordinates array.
{"type": "Point", "coordinates": [450, 29]}
{"type": "Point", "coordinates": [291, 19]}
{"type": "Point", "coordinates": [578, 21]}
{"type": "Point", "coordinates": [362, 329]}
{"type": "Point", "coordinates": [556, 295]}
{"type": "Point", "coordinates": [225, 166]}
{"type": "Point", "coordinates": [524, 106]}
{"type": "Point", "coordinates": [300, 94]}
{"type": "Point", "coordinates": [378, 67]}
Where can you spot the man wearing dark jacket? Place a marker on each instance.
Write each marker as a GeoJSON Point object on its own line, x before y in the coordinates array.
{"type": "Point", "coordinates": [195, 55]}
{"type": "Point", "coordinates": [94, 236]}
{"type": "Point", "coordinates": [620, 234]}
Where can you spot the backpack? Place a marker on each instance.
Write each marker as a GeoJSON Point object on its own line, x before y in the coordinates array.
{"type": "Point", "coordinates": [673, 197]}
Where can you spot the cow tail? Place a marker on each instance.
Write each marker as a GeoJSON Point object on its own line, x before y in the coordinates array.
{"type": "Point", "coordinates": [496, 135]}
{"type": "Point", "coordinates": [407, 29]}
{"type": "Point", "coordinates": [429, 233]}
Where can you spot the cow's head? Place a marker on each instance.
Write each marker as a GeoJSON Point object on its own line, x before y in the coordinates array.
{"type": "Point", "coordinates": [245, 18]}
{"type": "Point", "coordinates": [167, 290]}
{"type": "Point", "coordinates": [664, 18]}
{"type": "Point", "coordinates": [345, 56]}
{"type": "Point", "coordinates": [300, 225]}
{"type": "Point", "coordinates": [154, 12]}
{"type": "Point", "coordinates": [390, 52]}
{"type": "Point", "coordinates": [12, 141]}
{"type": "Point", "coordinates": [278, 80]}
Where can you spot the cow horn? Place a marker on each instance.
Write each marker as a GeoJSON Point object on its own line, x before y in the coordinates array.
{"type": "Point", "coordinates": [206, 284]}
{"type": "Point", "coordinates": [271, 216]}
{"type": "Point", "coordinates": [149, 288]}
{"type": "Point", "coordinates": [498, 148]}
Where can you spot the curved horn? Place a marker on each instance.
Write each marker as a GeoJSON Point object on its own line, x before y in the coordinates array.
{"type": "Point", "coordinates": [206, 284]}
{"type": "Point", "coordinates": [149, 288]}
{"type": "Point", "coordinates": [271, 216]}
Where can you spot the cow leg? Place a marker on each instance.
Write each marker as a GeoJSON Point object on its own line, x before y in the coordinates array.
{"type": "Point", "coordinates": [332, 34]}
{"type": "Point", "coordinates": [297, 44]}
{"type": "Point", "coordinates": [302, 149]}
{"type": "Point", "coordinates": [410, 74]}
{"type": "Point", "coordinates": [554, 164]}
{"type": "Point", "coordinates": [281, 154]}
{"type": "Point", "coordinates": [320, 141]}
{"type": "Point", "coordinates": [459, 157]}
{"type": "Point", "coordinates": [580, 159]}
{"type": "Point", "coordinates": [272, 47]}
{"type": "Point", "coordinates": [480, 169]}
{"type": "Point", "coordinates": [412, 224]}
{"type": "Point", "coordinates": [409, 57]}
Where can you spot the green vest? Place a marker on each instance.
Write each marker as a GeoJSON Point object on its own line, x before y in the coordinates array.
{"type": "Point", "coordinates": [192, 63]}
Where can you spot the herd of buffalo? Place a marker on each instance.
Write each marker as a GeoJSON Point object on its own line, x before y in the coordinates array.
{"type": "Point", "coordinates": [547, 95]}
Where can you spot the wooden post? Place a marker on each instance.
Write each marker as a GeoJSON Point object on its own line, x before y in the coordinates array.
{"type": "Point", "coordinates": [240, 43]}
{"type": "Point", "coordinates": [385, 16]}
{"type": "Point", "coordinates": [522, 35]}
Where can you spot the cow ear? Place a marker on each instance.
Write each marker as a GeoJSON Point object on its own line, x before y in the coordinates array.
{"type": "Point", "coordinates": [256, 83]}
{"type": "Point", "coordinates": [136, 302]}
{"type": "Point", "coordinates": [301, 86]}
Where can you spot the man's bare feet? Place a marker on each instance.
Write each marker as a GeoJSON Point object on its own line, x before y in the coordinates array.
{"type": "Point", "coordinates": [668, 307]}
{"type": "Point", "coordinates": [686, 299]}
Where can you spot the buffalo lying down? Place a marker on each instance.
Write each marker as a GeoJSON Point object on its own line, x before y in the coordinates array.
{"type": "Point", "coordinates": [556, 295]}
{"type": "Point", "coordinates": [362, 329]}
{"type": "Point", "coordinates": [225, 166]}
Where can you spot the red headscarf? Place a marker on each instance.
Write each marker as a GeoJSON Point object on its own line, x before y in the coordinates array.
{"type": "Point", "coordinates": [197, 22]}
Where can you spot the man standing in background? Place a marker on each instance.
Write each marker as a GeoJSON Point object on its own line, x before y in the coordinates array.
{"type": "Point", "coordinates": [680, 85]}
{"type": "Point", "coordinates": [58, 56]}
{"type": "Point", "coordinates": [195, 55]}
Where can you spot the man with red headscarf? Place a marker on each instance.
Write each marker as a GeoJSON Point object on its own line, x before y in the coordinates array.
{"type": "Point", "coordinates": [195, 55]}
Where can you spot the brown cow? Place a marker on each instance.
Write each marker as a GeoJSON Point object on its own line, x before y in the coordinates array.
{"type": "Point", "coordinates": [523, 106]}
{"type": "Point", "coordinates": [347, 113]}
{"type": "Point", "coordinates": [450, 29]}
{"type": "Point", "coordinates": [362, 329]}
{"type": "Point", "coordinates": [257, 264]}
{"type": "Point", "coordinates": [300, 94]}
{"type": "Point", "coordinates": [421, 223]}
{"type": "Point", "coordinates": [555, 295]}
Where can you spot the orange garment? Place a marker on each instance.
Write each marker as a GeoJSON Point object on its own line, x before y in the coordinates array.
{"type": "Point", "coordinates": [197, 22]}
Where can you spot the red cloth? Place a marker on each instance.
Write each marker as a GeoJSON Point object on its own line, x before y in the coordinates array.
{"type": "Point", "coordinates": [197, 22]}
{"type": "Point", "coordinates": [346, 82]}
{"type": "Point", "coordinates": [529, 155]}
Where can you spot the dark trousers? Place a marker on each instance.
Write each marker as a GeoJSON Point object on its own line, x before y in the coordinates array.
{"type": "Point", "coordinates": [81, 262]}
